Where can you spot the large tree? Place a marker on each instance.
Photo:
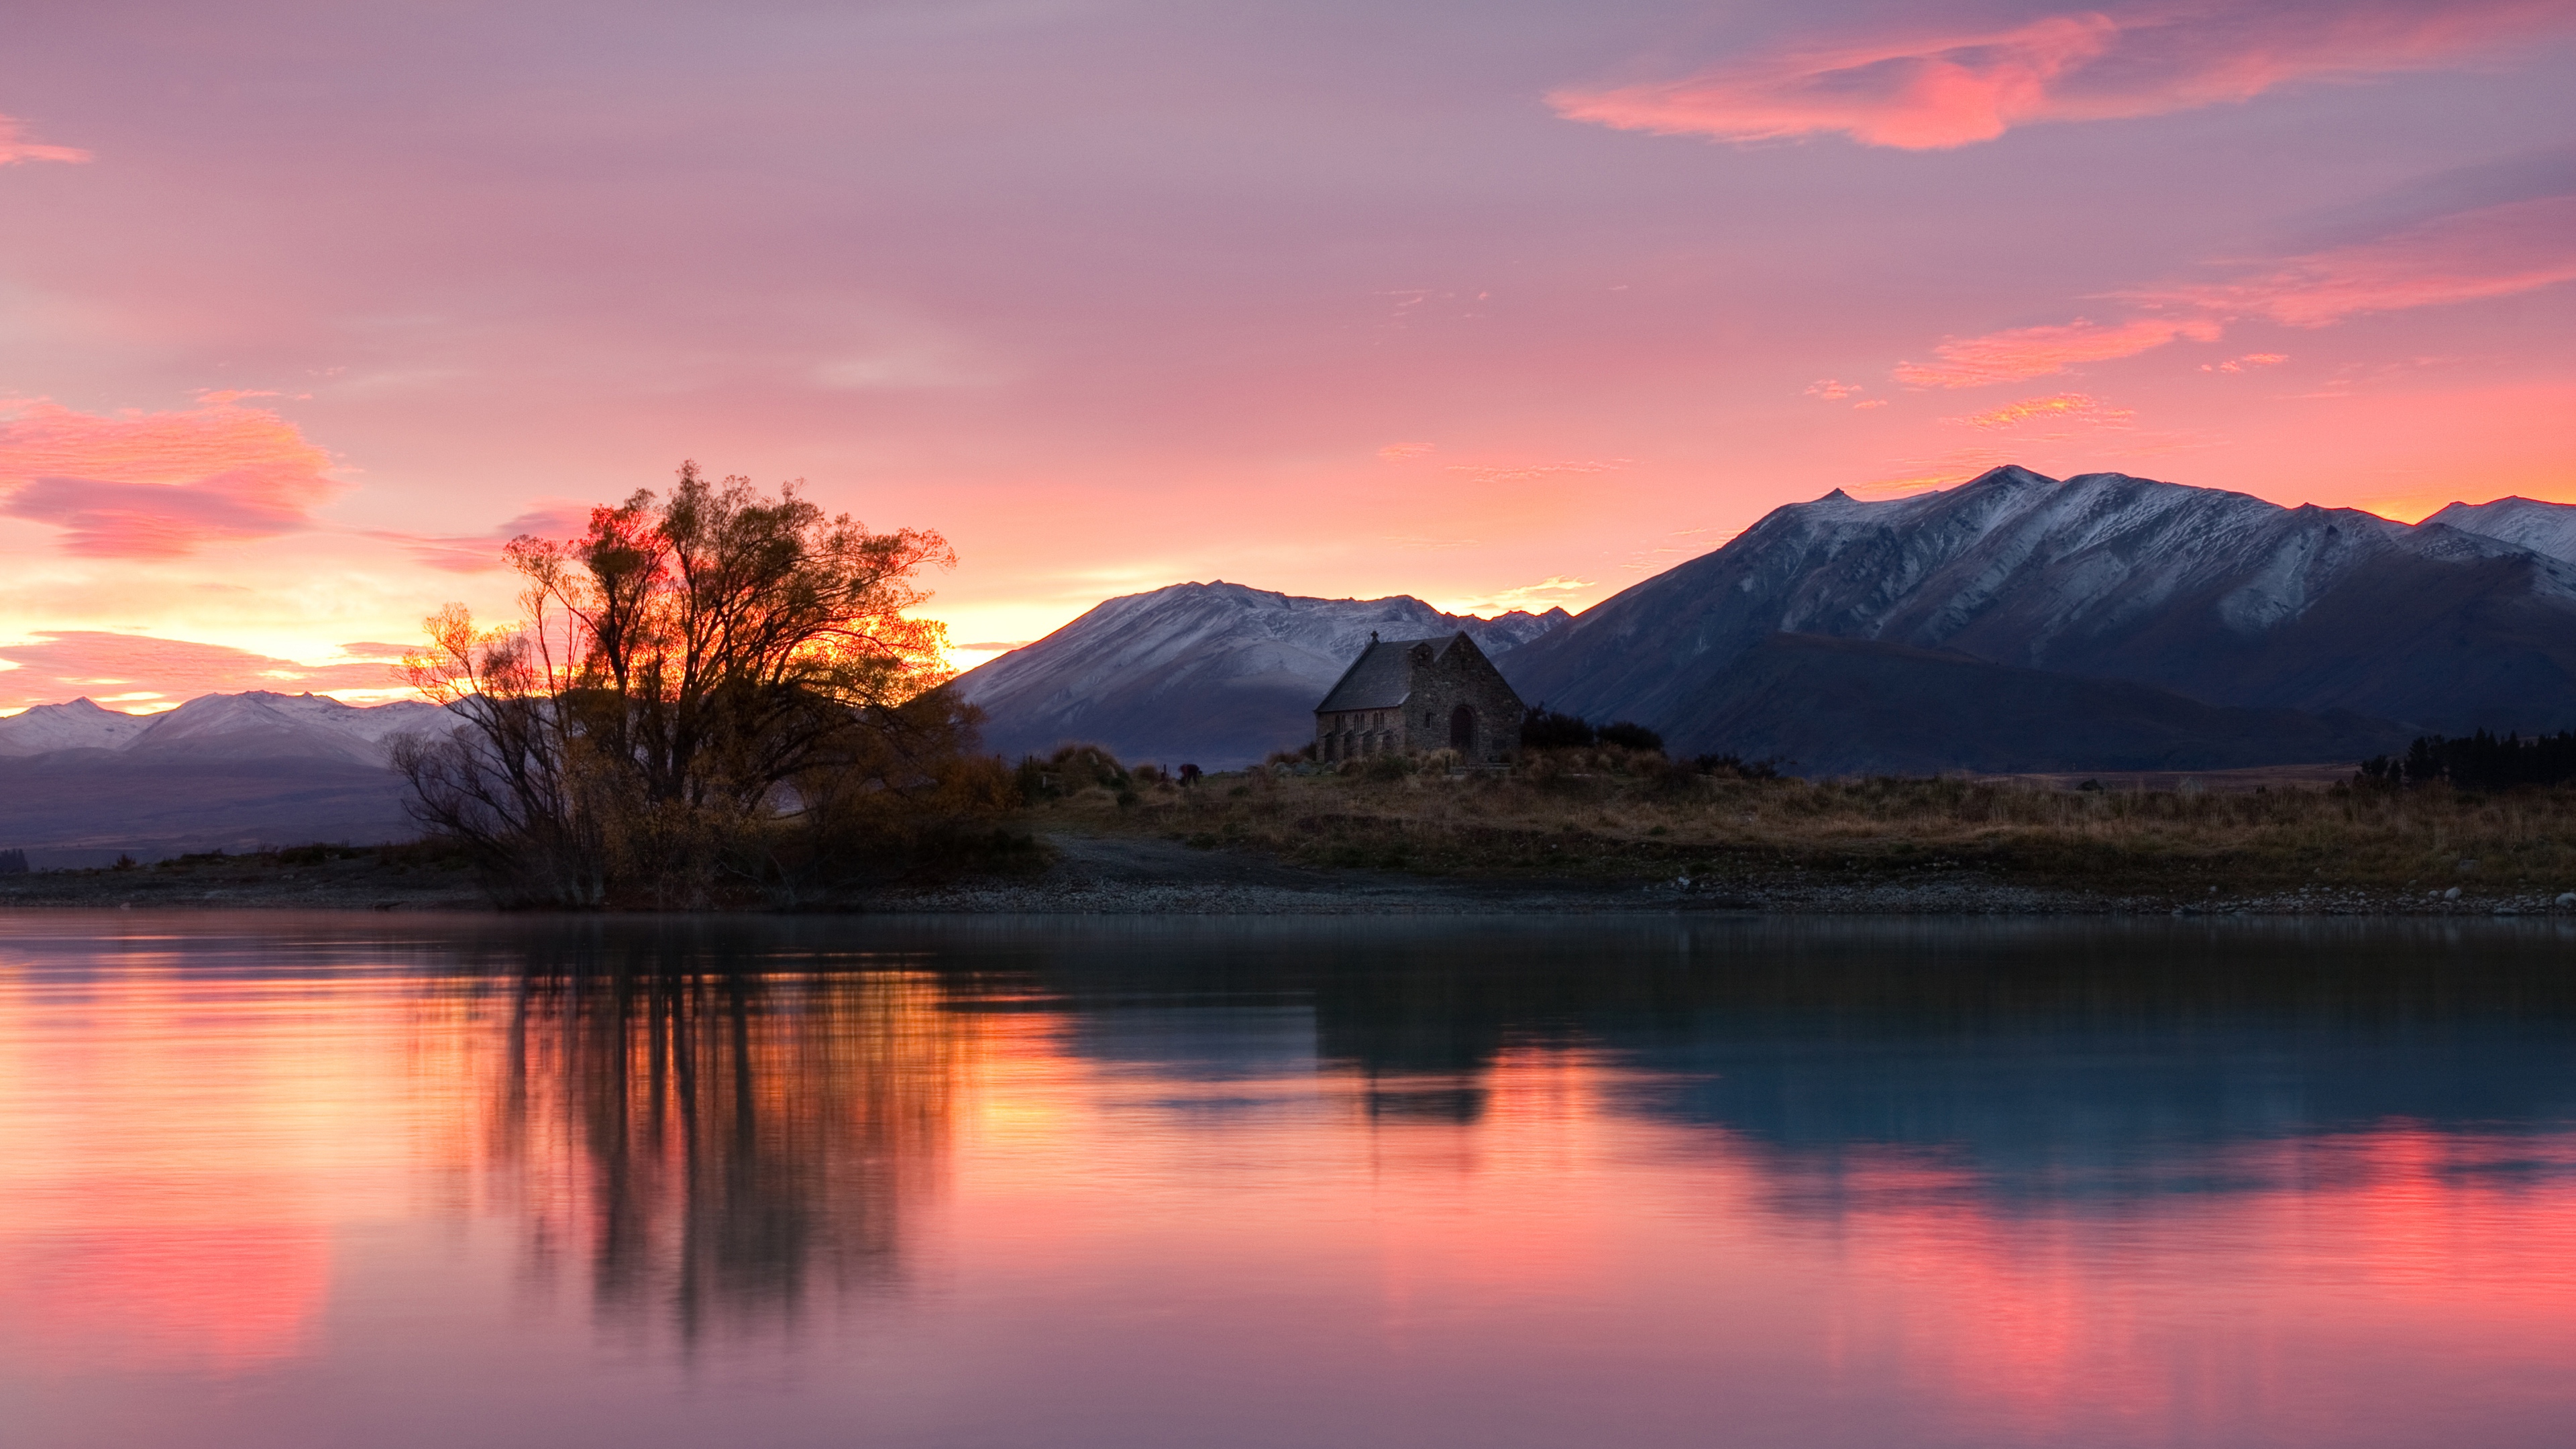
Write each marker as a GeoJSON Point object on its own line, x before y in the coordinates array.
{"type": "Point", "coordinates": [691, 674]}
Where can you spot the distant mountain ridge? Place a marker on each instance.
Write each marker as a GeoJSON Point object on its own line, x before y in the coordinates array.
{"type": "Point", "coordinates": [80, 783]}
{"type": "Point", "coordinates": [255, 724]}
{"type": "Point", "coordinates": [2222, 598]}
{"type": "Point", "coordinates": [1212, 674]}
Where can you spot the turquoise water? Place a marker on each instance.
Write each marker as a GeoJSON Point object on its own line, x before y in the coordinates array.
{"type": "Point", "coordinates": [361, 1180]}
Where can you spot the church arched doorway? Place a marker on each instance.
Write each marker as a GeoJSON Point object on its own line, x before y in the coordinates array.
{"type": "Point", "coordinates": [1462, 730]}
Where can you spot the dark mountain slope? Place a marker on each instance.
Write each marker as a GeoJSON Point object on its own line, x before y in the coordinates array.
{"type": "Point", "coordinates": [2219, 596]}
{"type": "Point", "coordinates": [1850, 706]}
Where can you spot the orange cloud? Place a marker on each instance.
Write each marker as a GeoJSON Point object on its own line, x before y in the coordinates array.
{"type": "Point", "coordinates": [2248, 362]}
{"type": "Point", "coordinates": [157, 485]}
{"type": "Point", "coordinates": [15, 148]}
{"type": "Point", "coordinates": [2468, 256]}
{"type": "Point", "coordinates": [1834, 390]}
{"type": "Point", "coordinates": [2066, 412]}
{"type": "Point", "coordinates": [1922, 92]}
{"type": "Point", "coordinates": [136, 670]}
{"type": "Point", "coordinates": [2025, 352]}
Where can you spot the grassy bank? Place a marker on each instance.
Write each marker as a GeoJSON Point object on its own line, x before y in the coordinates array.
{"type": "Point", "coordinates": [1616, 815]}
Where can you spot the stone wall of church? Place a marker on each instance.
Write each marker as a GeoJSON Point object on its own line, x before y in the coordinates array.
{"type": "Point", "coordinates": [1356, 734]}
{"type": "Point", "coordinates": [1464, 679]}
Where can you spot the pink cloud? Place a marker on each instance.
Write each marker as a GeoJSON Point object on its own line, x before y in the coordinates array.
{"type": "Point", "coordinates": [1926, 91]}
{"type": "Point", "coordinates": [478, 552]}
{"type": "Point", "coordinates": [2468, 256]}
{"type": "Point", "coordinates": [2025, 352]}
{"type": "Point", "coordinates": [157, 485]}
{"type": "Point", "coordinates": [139, 669]}
{"type": "Point", "coordinates": [1832, 390]}
{"type": "Point", "coordinates": [15, 148]}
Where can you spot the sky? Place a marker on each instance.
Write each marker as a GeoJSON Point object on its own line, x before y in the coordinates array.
{"type": "Point", "coordinates": [306, 308]}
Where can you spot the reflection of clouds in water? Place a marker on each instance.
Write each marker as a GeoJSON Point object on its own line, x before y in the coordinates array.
{"type": "Point", "coordinates": [719, 1147]}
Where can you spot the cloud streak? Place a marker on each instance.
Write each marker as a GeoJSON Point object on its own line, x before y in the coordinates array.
{"type": "Point", "coordinates": [137, 669]}
{"type": "Point", "coordinates": [16, 149]}
{"type": "Point", "coordinates": [2467, 256]}
{"type": "Point", "coordinates": [1934, 90]}
{"type": "Point", "coordinates": [2057, 416]}
{"type": "Point", "coordinates": [476, 553]}
{"type": "Point", "coordinates": [159, 485]}
{"type": "Point", "coordinates": [2026, 352]}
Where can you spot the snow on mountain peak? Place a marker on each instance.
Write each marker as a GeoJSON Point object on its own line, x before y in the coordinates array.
{"type": "Point", "coordinates": [254, 724]}
{"type": "Point", "coordinates": [2544, 528]}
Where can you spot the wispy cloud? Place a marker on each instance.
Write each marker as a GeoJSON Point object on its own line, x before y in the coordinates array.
{"type": "Point", "coordinates": [2059, 415]}
{"type": "Point", "coordinates": [2467, 256]}
{"type": "Point", "coordinates": [2026, 352]}
{"type": "Point", "coordinates": [1539, 597]}
{"type": "Point", "coordinates": [474, 553]}
{"type": "Point", "coordinates": [158, 485]}
{"type": "Point", "coordinates": [2247, 363]}
{"type": "Point", "coordinates": [1530, 473]}
{"type": "Point", "coordinates": [1399, 452]}
{"type": "Point", "coordinates": [1929, 89]}
{"type": "Point", "coordinates": [16, 148]}
{"type": "Point", "coordinates": [139, 671]}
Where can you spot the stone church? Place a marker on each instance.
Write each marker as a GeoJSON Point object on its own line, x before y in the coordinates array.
{"type": "Point", "coordinates": [1405, 696]}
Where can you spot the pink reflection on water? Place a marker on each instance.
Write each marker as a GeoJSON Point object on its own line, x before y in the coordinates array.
{"type": "Point", "coordinates": [1037, 1240]}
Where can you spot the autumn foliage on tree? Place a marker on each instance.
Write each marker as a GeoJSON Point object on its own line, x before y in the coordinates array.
{"type": "Point", "coordinates": [710, 693]}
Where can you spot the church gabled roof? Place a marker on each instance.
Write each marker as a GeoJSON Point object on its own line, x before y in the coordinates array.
{"type": "Point", "coordinates": [1378, 679]}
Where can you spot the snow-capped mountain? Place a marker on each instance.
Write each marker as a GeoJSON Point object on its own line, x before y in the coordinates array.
{"type": "Point", "coordinates": [256, 724]}
{"type": "Point", "coordinates": [80, 784]}
{"type": "Point", "coordinates": [2221, 597]}
{"type": "Point", "coordinates": [1212, 674]}
{"type": "Point", "coordinates": [2544, 528]}
{"type": "Point", "coordinates": [260, 723]}
{"type": "Point", "coordinates": [76, 725]}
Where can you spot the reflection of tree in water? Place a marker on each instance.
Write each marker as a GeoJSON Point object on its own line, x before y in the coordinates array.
{"type": "Point", "coordinates": [723, 1142]}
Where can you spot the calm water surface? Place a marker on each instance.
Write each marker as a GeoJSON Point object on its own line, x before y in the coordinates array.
{"type": "Point", "coordinates": [361, 1181]}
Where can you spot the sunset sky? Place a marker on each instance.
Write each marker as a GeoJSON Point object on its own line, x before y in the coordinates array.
{"type": "Point", "coordinates": [305, 308]}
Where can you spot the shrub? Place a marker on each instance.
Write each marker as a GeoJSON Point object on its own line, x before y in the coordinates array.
{"type": "Point", "coordinates": [1546, 729]}
{"type": "Point", "coordinates": [1736, 767]}
{"type": "Point", "coordinates": [1630, 736]}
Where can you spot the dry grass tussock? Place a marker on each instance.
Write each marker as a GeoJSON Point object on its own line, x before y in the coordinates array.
{"type": "Point", "coordinates": [1617, 814]}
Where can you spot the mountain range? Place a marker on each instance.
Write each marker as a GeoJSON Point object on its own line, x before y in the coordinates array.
{"type": "Point", "coordinates": [1216, 675]}
{"type": "Point", "coordinates": [81, 784]}
{"type": "Point", "coordinates": [2221, 598]}
{"type": "Point", "coordinates": [2015, 622]}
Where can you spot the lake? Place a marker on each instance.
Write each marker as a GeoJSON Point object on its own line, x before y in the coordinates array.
{"type": "Point", "coordinates": [282, 1180]}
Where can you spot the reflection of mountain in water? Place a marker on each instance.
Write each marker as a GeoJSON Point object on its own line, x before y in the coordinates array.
{"type": "Point", "coordinates": [712, 1136]}
{"type": "Point", "coordinates": [2048, 1058]}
